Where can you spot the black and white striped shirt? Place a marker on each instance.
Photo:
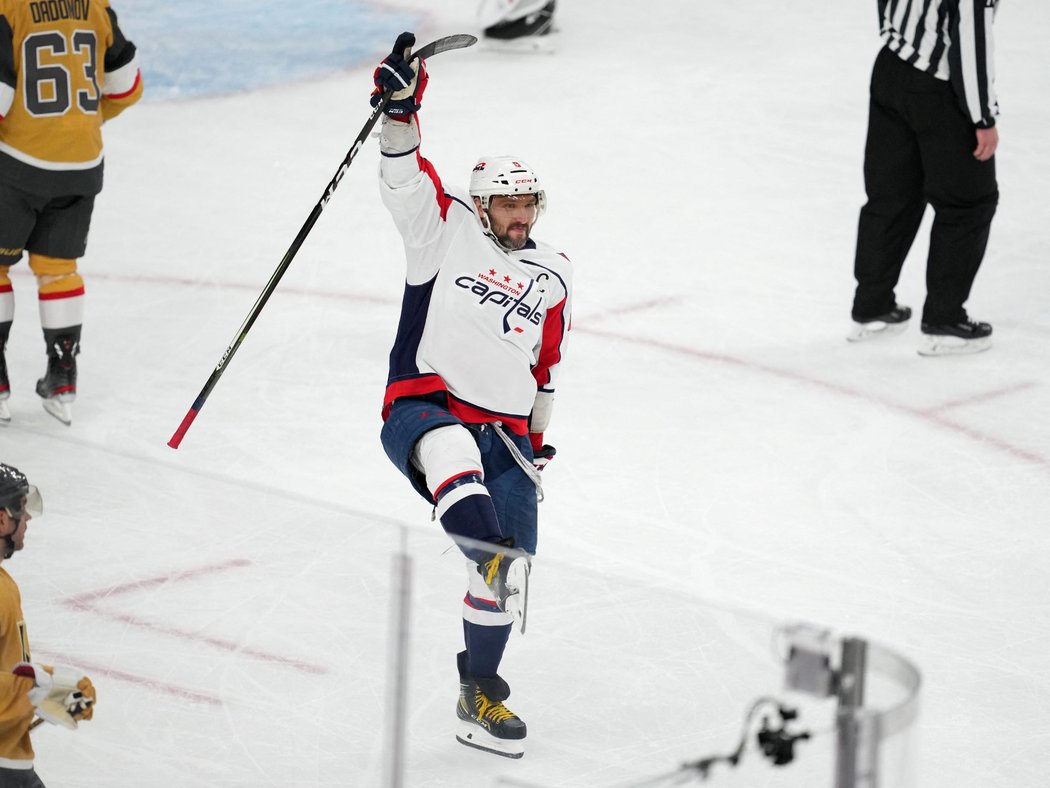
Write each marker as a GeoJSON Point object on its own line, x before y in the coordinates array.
{"type": "Point", "coordinates": [950, 39]}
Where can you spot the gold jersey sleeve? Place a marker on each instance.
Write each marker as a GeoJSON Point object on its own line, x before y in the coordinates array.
{"type": "Point", "coordinates": [16, 712]}
{"type": "Point", "coordinates": [65, 68]}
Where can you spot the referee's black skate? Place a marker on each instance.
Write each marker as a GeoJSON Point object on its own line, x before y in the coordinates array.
{"type": "Point", "coordinates": [58, 387]}
{"type": "Point", "coordinates": [484, 722]}
{"type": "Point", "coordinates": [887, 324]}
{"type": "Point", "coordinates": [954, 339]}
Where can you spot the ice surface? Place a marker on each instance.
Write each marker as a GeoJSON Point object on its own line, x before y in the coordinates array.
{"type": "Point", "coordinates": [726, 460]}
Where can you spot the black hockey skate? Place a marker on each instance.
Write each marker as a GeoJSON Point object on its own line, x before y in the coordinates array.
{"type": "Point", "coordinates": [533, 32]}
{"type": "Point", "coordinates": [953, 339]}
{"type": "Point", "coordinates": [885, 325]}
{"type": "Point", "coordinates": [507, 576]}
{"type": "Point", "coordinates": [58, 387]}
{"type": "Point", "coordinates": [484, 722]}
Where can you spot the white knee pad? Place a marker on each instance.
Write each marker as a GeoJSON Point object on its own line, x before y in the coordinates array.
{"type": "Point", "coordinates": [446, 453]}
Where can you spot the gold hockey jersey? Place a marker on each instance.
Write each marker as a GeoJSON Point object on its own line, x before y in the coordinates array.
{"type": "Point", "coordinates": [65, 68]}
{"type": "Point", "coordinates": [16, 712]}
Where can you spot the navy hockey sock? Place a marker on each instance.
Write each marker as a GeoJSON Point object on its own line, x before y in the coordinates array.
{"type": "Point", "coordinates": [472, 516]}
{"type": "Point", "coordinates": [485, 647]}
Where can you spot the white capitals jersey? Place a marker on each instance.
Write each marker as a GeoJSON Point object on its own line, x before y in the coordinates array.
{"type": "Point", "coordinates": [483, 325]}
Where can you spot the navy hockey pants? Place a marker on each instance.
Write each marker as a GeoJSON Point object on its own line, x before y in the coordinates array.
{"type": "Point", "coordinates": [513, 493]}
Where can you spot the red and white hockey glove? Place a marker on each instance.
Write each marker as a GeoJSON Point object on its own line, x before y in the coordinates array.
{"type": "Point", "coordinates": [61, 695]}
{"type": "Point", "coordinates": [405, 79]}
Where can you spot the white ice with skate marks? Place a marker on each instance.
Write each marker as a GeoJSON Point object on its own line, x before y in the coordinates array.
{"type": "Point", "coordinates": [722, 449]}
{"type": "Point", "coordinates": [530, 45]}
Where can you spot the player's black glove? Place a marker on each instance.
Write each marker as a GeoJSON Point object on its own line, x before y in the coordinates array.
{"type": "Point", "coordinates": [404, 79]}
{"type": "Point", "coordinates": [543, 455]}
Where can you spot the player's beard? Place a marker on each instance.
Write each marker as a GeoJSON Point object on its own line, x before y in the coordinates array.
{"type": "Point", "coordinates": [518, 240]}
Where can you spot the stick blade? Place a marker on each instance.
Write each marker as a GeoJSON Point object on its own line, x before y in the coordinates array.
{"type": "Point", "coordinates": [458, 41]}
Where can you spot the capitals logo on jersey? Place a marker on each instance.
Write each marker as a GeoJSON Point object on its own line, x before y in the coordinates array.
{"type": "Point", "coordinates": [503, 291]}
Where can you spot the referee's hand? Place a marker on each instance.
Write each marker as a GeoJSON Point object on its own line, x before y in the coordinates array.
{"type": "Point", "coordinates": [987, 142]}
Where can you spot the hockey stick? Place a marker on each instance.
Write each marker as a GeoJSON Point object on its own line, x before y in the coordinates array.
{"type": "Point", "coordinates": [460, 41]}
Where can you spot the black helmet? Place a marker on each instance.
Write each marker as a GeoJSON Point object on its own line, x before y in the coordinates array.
{"type": "Point", "coordinates": [14, 488]}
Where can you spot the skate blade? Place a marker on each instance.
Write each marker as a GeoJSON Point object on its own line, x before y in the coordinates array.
{"type": "Point", "coordinates": [517, 604]}
{"type": "Point", "coordinates": [5, 412]}
{"type": "Point", "coordinates": [477, 737]}
{"type": "Point", "coordinates": [63, 411]}
{"type": "Point", "coordinates": [862, 332]}
{"type": "Point", "coordinates": [938, 345]}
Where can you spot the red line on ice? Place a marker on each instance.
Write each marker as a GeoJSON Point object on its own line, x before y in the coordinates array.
{"type": "Point", "coordinates": [928, 415]}
{"type": "Point", "coordinates": [151, 582]}
{"type": "Point", "coordinates": [983, 397]}
{"type": "Point", "coordinates": [931, 416]}
{"type": "Point", "coordinates": [131, 678]}
{"type": "Point", "coordinates": [89, 602]}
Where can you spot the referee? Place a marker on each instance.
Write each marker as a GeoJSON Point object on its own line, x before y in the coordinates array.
{"type": "Point", "coordinates": [931, 139]}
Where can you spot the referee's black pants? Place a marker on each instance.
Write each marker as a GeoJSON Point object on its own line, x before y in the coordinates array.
{"type": "Point", "coordinates": [919, 150]}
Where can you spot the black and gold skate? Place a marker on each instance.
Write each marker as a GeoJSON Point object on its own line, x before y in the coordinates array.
{"type": "Point", "coordinates": [484, 722]}
{"type": "Point", "coordinates": [507, 576]}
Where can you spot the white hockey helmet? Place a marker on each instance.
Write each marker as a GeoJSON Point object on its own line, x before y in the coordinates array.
{"type": "Point", "coordinates": [505, 175]}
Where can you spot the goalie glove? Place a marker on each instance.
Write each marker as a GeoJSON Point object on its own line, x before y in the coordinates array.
{"type": "Point", "coordinates": [61, 695]}
{"type": "Point", "coordinates": [404, 79]}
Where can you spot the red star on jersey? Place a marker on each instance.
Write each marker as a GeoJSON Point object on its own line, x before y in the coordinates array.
{"type": "Point", "coordinates": [492, 272]}
{"type": "Point", "coordinates": [506, 278]}
{"type": "Point", "coordinates": [521, 285]}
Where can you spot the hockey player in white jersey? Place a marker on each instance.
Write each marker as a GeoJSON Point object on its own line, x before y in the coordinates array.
{"type": "Point", "coordinates": [484, 319]}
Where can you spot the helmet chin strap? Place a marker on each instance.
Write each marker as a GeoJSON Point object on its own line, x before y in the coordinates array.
{"type": "Point", "coordinates": [492, 235]}
{"type": "Point", "coordinates": [9, 539]}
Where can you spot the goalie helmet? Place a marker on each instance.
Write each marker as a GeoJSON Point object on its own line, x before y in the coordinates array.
{"type": "Point", "coordinates": [505, 175]}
